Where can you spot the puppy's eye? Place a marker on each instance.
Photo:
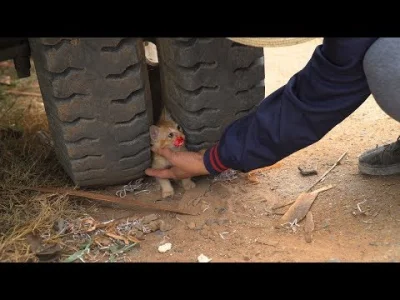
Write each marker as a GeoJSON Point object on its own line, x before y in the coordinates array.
{"type": "Point", "coordinates": [179, 128]}
{"type": "Point", "coordinates": [170, 135]}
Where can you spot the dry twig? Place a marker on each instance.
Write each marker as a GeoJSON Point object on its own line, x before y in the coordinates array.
{"type": "Point", "coordinates": [327, 172]}
{"type": "Point", "coordinates": [106, 198]}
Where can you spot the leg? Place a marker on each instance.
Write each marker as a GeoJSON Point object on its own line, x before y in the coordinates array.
{"type": "Point", "coordinates": [188, 184]}
{"type": "Point", "coordinates": [165, 184]}
{"type": "Point", "coordinates": [166, 187]}
{"type": "Point", "coordinates": [382, 69]}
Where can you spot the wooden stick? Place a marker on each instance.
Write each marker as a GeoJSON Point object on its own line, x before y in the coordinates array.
{"type": "Point", "coordinates": [19, 93]}
{"type": "Point", "coordinates": [283, 205]}
{"type": "Point", "coordinates": [326, 173]}
{"type": "Point", "coordinates": [315, 183]}
{"type": "Point", "coordinates": [108, 198]}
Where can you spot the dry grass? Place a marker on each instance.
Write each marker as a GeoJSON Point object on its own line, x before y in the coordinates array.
{"type": "Point", "coordinates": [25, 161]}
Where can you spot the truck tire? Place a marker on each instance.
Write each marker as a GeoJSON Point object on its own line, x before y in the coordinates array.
{"type": "Point", "coordinates": [209, 82]}
{"type": "Point", "coordinates": [98, 103]}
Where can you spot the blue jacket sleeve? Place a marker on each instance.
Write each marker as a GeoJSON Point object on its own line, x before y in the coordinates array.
{"type": "Point", "coordinates": [326, 91]}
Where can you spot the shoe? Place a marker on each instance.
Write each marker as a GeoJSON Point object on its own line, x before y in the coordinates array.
{"type": "Point", "coordinates": [381, 161]}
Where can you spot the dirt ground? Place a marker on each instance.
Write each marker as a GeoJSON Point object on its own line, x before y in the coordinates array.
{"type": "Point", "coordinates": [355, 221]}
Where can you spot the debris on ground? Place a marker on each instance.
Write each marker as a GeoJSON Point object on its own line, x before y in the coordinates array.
{"type": "Point", "coordinates": [309, 227]}
{"type": "Point", "coordinates": [165, 247]}
{"type": "Point", "coordinates": [358, 206]}
{"type": "Point", "coordinates": [138, 187]}
{"type": "Point", "coordinates": [5, 79]}
{"type": "Point", "coordinates": [50, 254]}
{"type": "Point", "coordinates": [203, 259]}
{"type": "Point", "coordinates": [43, 253]}
{"type": "Point", "coordinates": [252, 177]}
{"type": "Point", "coordinates": [307, 171]}
{"type": "Point", "coordinates": [327, 171]}
{"type": "Point", "coordinates": [147, 219]}
{"type": "Point", "coordinates": [298, 210]}
{"type": "Point", "coordinates": [222, 234]}
{"type": "Point", "coordinates": [8, 133]}
{"type": "Point", "coordinates": [108, 199]}
{"type": "Point", "coordinates": [20, 93]}
{"type": "Point", "coordinates": [192, 225]}
{"type": "Point", "coordinates": [267, 242]}
{"type": "Point", "coordinates": [112, 237]}
{"type": "Point", "coordinates": [79, 254]}
{"type": "Point", "coordinates": [227, 175]}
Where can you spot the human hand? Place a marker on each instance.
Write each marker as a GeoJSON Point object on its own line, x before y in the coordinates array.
{"type": "Point", "coordinates": [184, 165]}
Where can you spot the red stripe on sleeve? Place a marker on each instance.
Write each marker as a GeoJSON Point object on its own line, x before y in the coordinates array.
{"type": "Point", "coordinates": [212, 160]}
{"type": "Point", "coordinates": [219, 163]}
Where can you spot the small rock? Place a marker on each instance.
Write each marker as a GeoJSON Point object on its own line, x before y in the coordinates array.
{"type": "Point", "coordinates": [210, 222]}
{"type": "Point", "coordinates": [60, 226]}
{"type": "Point", "coordinates": [265, 241]}
{"type": "Point", "coordinates": [165, 226]}
{"type": "Point", "coordinates": [51, 253]}
{"type": "Point", "coordinates": [149, 218]}
{"type": "Point", "coordinates": [203, 259]}
{"type": "Point", "coordinates": [199, 226]}
{"type": "Point", "coordinates": [333, 260]}
{"type": "Point", "coordinates": [307, 171]}
{"type": "Point", "coordinates": [192, 225]}
{"type": "Point", "coordinates": [164, 248]}
{"type": "Point", "coordinates": [140, 235]}
{"type": "Point", "coordinates": [153, 225]}
{"type": "Point", "coordinates": [221, 210]}
{"type": "Point", "coordinates": [222, 221]}
{"type": "Point", "coordinates": [246, 258]}
{"type": "Point", "coordinates": [373, 244]}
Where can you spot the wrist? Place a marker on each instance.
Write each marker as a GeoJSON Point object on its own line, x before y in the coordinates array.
{"type": "Point", "coordinates": [212, 161]}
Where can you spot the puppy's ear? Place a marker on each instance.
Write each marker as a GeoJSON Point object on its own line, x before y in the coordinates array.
{"type": "Point", "coordinates": [154, 132]}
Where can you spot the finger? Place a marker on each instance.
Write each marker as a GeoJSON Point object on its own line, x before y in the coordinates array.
{"type": "Point", "coordinates": [160, 173]}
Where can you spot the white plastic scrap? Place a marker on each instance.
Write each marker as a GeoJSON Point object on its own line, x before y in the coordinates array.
{"type": "Point", "coordinates": [132, 188]}
{"type": "Point", "coordinates": [164, 248]}
{"type": "Point", "coordinates": [203, 259]}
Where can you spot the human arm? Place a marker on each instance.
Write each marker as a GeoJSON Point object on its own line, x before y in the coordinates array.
{"type": "Point", "coordinates": [326, 91]}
